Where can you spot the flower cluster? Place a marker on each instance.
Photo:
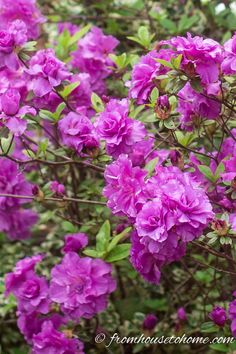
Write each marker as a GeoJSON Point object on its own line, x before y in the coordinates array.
{"type": "Point", "coordinates": [79, 285]}
{"type": "Point", "coordinates": [169, 209]}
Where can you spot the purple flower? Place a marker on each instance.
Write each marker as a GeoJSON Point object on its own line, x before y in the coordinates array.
{"type": "Point", "coordinates": [24, 10]}
{"type": "Point", "coordinates": [8, 58]}
{"type": "Point", "coordinates": [18, 222]}
{"type": "Point", "coordinates": [144, 74]}
{"type": "Point", "coordinates": [118, 130]}
{"type": "Point", "coordinates": [30, 324]}
{"type": "Point", "coordinates": [78, 133]}
{"type": "Point", "coordinates": [229, 62]}
{"type": "Point", "coordinates": [50, 341]}
{"type": "Point", "coordinates": [150, 321]}
{"type": "Point", "coordinates": [81, 285]}
{"type": "Point", "coordinates": [46, 72]}
{"type": "Point", "coordinates": [194, 106]}
{"type": "Point", "coordinates": [200, 56]}
{"type": "Point", "coordinates": [57, 188]}
{"type": "Point", "coordinates": [218, 316]}
{"type": "Point", "coordinates": [177, 213]}
{"type": "Point", "coordinates": [80, 97]}
{"type": "Point", "coordinates": [22, 270]}
{"type": "Point", "coordinates": [125, 187]}
{"type": "Point", "coordinates": [12, 181]}
{"type": "Point", "coordinates": [68, 26]}
{"type": "Point", "coordinates": [75, 242]}
{"type": "Point", "coordinates": [92, 56]}
{"type": "Point", "coordinates": [19, 31]}
{"type": "Point", "coordinates": [12, 114]}
{"type": "Point", "coordinates": [32, 295]}
{"type": "Point", "coordinates": [181, 314]}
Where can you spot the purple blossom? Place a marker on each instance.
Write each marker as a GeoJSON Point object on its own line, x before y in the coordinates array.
{"type": "Point", "coordinates": [12, 181]}
{"type": "Point", "coordinates": [75, 242]}
{"type": "Point", "coordinates": [32, 295]}
{"type": "Point", "coordinates": [218, 316]}
{"type": "Point", "coordinates": [181, 314]}
{"type": "Point", "coordinates": [118, 130]}
{"type": "Point", "coordinates": [23, 268]}
{"type": "Point", "coordinates": [50, 341]}
{"type": "Point", "coordinates": [24, 10]}
{"type": "Point", "coordinates": [11, 114]}
{"type": "Point", "coordinates": [144, 74]}
{"type": "Point", "coordinates": [177, 213]}
{"type": "Point", "coordinates": [78, 133]}
{"type": "Point", "coordinates": [150, 321]}
{"type": "Point", "coordinates": [57, 188]}
{"type": "Point", "coordinates": [68, 26]}
{"type": "Point", "coordinates": [30, 324]}
{"type": "Point", "coordinates": [125, 187]}
{"type": "Point", "coordinates": [200, 56]}
{"type": "Point", "coordinates": [81, 95]}
{"type": "Point", "coordinates": [81, 285]}
{"type": "Point", "coordinates": [194, 106]}
{"type": "Point", "coordinates": [46, 72]}
{"type": "Point", "coordinates": [92, 56]}
{"type": "Point", "coordinates": [18, 222]}
{"type": "Point", "coordinates": [229, 62]}
{"type": "Point", "coordinates": [8, 57]}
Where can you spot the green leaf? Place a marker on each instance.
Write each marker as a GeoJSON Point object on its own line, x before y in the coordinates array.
{"type": "Point", "coordinates": [176, 61]}
{"type": "Point", "coordinates": [169, 25]}
{"type": "Point", "coordinates": [119, 252]}
{"type": "Point", "coordinates": [7, 145]}
{"type": "Point", "coordinates": [69, 227]}
{"type": "Point", "coordinates": [187, 22]}
{"type": "Point", "coordinates": [209, 327]}
{"type": "Point", "coordinates": [220, 169]}
{"type": "Point", "coordinates": [150, 166]}
{"type": "Point", "coordinates": [220, 347]}
{"type": "Point", "coordinates": [91, 253]}
{"type": "Point", "coordinates": [69, 88]}
{"type": "Point", "coordinates": [206, 171]}
{"type": "Point", "coordinates": [97, 102]}
{"type": "Point", "coordinates": [103, 237]}
{"type": "Point", "coordinates": [115, 240]}
{"type": "Point", "coordinates": [74, 39]}
{"type": "Point", "coordinates": [164, 63]}
{"type": "Point", "coordinates": [154, 95]}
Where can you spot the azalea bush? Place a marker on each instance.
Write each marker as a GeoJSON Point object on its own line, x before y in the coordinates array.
{"type": "Point", "coordinates": [117, 175]}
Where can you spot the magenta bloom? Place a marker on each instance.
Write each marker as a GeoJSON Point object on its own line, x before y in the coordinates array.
{"type": "Point", "coordinates": [50, 341]}
{"type": "Point", "coordinates": [75, 242]}
{"type": "Point", "coordinates": [125, 188]}
{"type": "Point", "coordinates": [24, 10]}
{"type": "Point", "coordinates": [144, 74]}
{"type": "Point", "coordinates": [46, 72]}
{"type": "Point", "coordinates": [57, 188]}
{"type": "Point", "coordinates": [193, 106]}
{"type": "Point", "coordinates": [118, 130]}
{"type": "Point", "coordinates": [218, 316]}
{"type": "Point", "coordinates": [17, 222]}
{"type": "Point", "coordinates": [150, 321]}
{"type": "Point", "coordinates": [11, 114]}
{"type": "Point", "coordinates": [68, 26]}
{"type": "Point", "coordinates": [177, 213]}
{"type": "Point", "coordinates": [8, 57]}
{"type": "Point", "coordinates": [229, 63]}
{"type": "Point", "coordinates": [92, 56]}
{"type": "Point", "coordinates": [31, 324]}
{"type": "Point", "coordinates": [78, 133]}
{"type": "Point", "coordinates": [81, 285]}
{"type": "Point", "coordinates": [181, 314]}
{"type": "Point", "coordinates": [200, 56]}
{"type": "Point", "coordinates": [23, 268]}
{"type": "Point", "coordinates": [32, 295]}
{"type": "Point", "coordinates": [12, 181]}
{"type": "Point", "coordinates": [80, 97]}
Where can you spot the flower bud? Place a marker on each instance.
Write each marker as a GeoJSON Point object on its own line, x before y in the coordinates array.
{"type": "Point", "coordinates": [218, 316]}
{"type": "Point", "coordinates": [10, 102]}
{"type": "Point", "coordinates": [150, 322]}
{"type": "Point", "coordinates": [163, 108]}
{"type": "Point", "coordinates": [220, 226]}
